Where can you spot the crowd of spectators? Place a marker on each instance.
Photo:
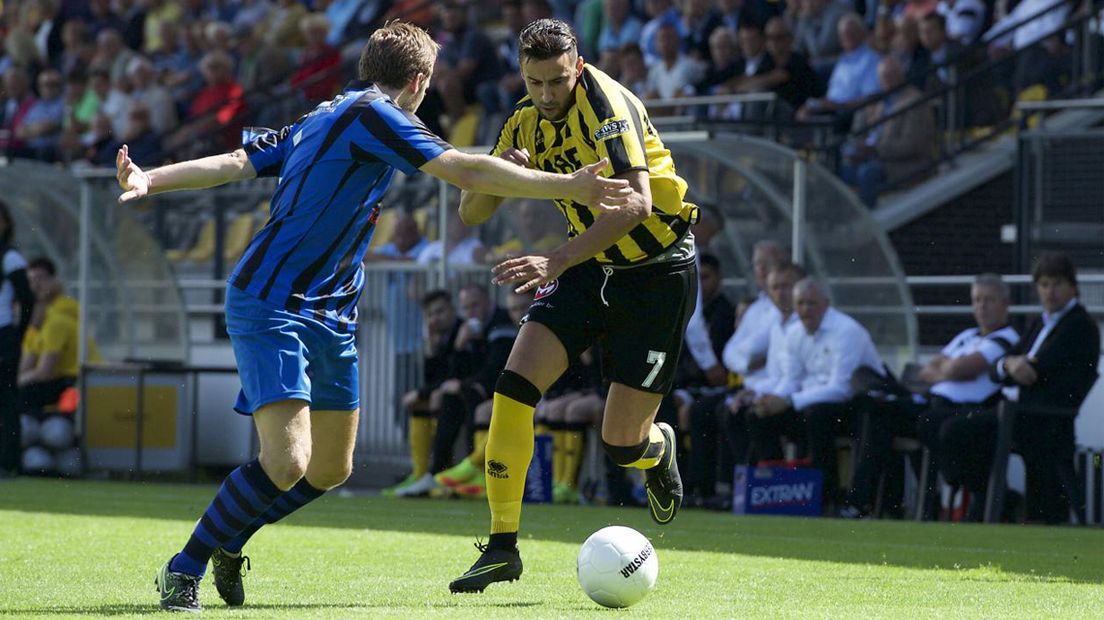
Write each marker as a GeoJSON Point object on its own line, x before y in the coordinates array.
{"type": "Point", "coordinates": [179, 78]}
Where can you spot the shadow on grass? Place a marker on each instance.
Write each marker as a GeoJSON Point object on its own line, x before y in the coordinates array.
{"type": "Point", "coordinates": [1019, 553]}
{"type": "Point", "coordinates": [132, 609]}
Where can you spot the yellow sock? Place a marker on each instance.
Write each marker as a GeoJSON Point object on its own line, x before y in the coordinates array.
{"type": "Point", "coordinates": [573, 456]}
{"type": "Point", "coordinates": [652, 455]}
{"type": "Point", "coordinates": [558, 455]}
{"type": "Point", "coordinates": [478, 453]}
{"type": "Point", "coordinates": [509, 450]}
{"type": "Point", "coordinates": [542, 429]}
{"type": "Point", "coordinates": [421, 442]}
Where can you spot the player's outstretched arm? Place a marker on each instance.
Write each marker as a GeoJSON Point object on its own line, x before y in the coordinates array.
{"type": "Point", "coordinates": [484, 174]}
{"type": "Point", "coordinates": [193, 174]}
{"type": "Point", "coordinates": [478, 208]}
{"type": "Point", "coordinates": [532, 271]}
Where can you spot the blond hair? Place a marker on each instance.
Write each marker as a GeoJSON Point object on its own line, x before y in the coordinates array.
{"type": "Point", "coordinates": [396, 53]}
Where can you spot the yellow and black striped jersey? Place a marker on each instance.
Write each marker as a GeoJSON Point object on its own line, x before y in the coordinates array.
{"type": "Point", "coordinates": [607, 120]}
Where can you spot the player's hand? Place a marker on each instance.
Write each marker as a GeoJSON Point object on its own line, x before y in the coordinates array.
{"type": "Point", "coordinates": [515, 156]}
{"type": "Point", "coordinates": [770, 404]}
{"type": "Point", "coordinates": [132, 179]}
{"type": "Point", "coordinates": [1020, 369]}
{"type": "Point", "coordinates": [599, 192]}
{"type": "Point", "coordinates": [531, 271]}
{"type": "Point", "coordinates": [717, 375]}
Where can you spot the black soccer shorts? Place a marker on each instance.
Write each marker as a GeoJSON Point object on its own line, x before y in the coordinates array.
{"type": "Point", "coordinates": [638, 315]}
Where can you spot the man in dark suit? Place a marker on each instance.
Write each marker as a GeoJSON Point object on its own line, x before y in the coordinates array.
{"type": "Point", "coordinates": [1052, 366]}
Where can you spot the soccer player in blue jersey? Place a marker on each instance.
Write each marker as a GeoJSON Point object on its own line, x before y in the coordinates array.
{"type": "Point", "coordinates": [291, 303]}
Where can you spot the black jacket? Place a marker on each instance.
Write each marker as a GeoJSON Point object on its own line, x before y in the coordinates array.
{"type": "Point", "coordinates": [1066, 362]}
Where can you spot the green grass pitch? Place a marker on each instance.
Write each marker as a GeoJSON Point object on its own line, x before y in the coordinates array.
{"type": "Point", "coordinates": [74, 548]}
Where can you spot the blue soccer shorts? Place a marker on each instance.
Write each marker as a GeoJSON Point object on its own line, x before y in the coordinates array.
{"type": "Point", "coordinates": [283, 356]}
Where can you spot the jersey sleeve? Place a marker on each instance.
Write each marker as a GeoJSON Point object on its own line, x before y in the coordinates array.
{"type": "Point", "coordinates": [13, 261]}
{"type": "Point", "coordinates": [509, 135]}
{"type": "Point", "coordinates": [615, 125]}
{"type": "Point", "coordinates": [386, 131]}
{"type": "Point", "coordinates": [266, 149]}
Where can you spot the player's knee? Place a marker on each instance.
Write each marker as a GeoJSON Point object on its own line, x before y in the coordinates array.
{"type": "Point", "coordinates": [514, 386]}
{"type": "Point", "coordinates": [331, 476]}
{"type": "Point", "coordinates": [287, 467]}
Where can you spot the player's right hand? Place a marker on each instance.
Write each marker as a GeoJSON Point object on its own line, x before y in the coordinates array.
{"type": "Point", "coordinates": [132, 179]}
{"type": "Point", "coordinates": [597, 191]}
{"type": "Point", "coordinates": [516, 156]}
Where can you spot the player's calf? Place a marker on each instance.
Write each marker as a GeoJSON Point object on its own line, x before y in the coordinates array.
{"type": "Point", "coordinates": [656, 456]}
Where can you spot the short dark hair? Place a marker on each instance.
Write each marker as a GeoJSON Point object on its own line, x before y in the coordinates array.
{"type": "Point", "coordinates": [632, 49]}
{"type": "Point", "coordinates": [750, 24]}
{"type": "Point", "coordinates": [43, 263]}
{"type": "Point", "coordinates": [936, 18]}
{"type": "Point", "coordinates": [793, 268]}
{"type": "Point", "coordinates": [709, 260]}
{"type": "Point", "coordinates": [546, 38]}
{"type": "Point", "coordinates": [436, 295]}
{"type": "Point", "coordinates": [477, 288]}
{"type": "Point", "coordinates": [1054, 265]}
{"type": "Point", "coordinates": [395, 54]}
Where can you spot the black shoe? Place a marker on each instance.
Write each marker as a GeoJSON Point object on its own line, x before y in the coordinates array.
{"type": "Point", "coordinates": [179, 592]}
{"type": "Point", "coordinates": [228, 572]}
{"type": "Point", "coordinates": [494, 565]}
{"type": "Point", "coordinates": [663, 483]}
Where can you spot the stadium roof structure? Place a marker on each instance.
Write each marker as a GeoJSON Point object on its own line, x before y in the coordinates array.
{"type": "Point", "coordinates": [133, 306]}
{"type": "Point", "coordinates": [748, 185]}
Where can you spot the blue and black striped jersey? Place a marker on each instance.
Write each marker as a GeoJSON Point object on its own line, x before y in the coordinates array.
{"type": "Point", "coordinates": [334, 166]}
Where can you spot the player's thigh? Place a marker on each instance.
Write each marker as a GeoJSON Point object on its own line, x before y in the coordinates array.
{"type": "Point", "coordinates": [333, 438]}
{"type": "Point", "coordinates": [334, 370]}
{"type": "Point", "coordinates": [538, 355]}
{"type": "Point", "coordinates": [271, 349]}
{"type": "Point", "coordinates": [628, 415]}
{"type": "Point", "coordinates": [284, 429]}
{"type": "Point", "coordinates": [647, 317]}
{"type": "Point", "coordinates": [564, 320]}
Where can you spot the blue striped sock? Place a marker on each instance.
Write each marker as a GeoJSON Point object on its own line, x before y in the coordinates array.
{"type": "Point", "coordinates": [293, 499]}
{"type": "Point", "coordinates": [245, 494]}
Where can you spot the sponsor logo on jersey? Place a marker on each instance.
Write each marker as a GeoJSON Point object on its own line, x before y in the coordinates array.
{"type": "Point", "coordinates": [546, 289]}
{"type": "Point", "coordinates": [611, 129]}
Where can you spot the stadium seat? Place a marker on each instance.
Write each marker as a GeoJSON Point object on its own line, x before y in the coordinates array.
{"type": "Point", "coordinates": [237, 237]}
{"type": "Point", "coordinates": [464, 131]}
{"type": "Point", "coordinates": [202, 250]}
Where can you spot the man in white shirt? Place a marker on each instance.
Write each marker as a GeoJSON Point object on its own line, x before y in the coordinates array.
{"type": "Point", "coordinates": [751, 431]}
{"type": "Point", "coordinates": [821, 355]}
{"type": "Point", "coordinates": [960, 385]}
{"type": "Point", "coordinates": [1052, 366]}
{"type": "Point", "coordinates": [745, 353]}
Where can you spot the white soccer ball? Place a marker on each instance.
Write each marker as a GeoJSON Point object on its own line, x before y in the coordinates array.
{"type": "Point", "coordinates": [68, 462]}
{"type": "Point", "coordinates": [57, 432]}
{"type": "Point", "coordinates": [37, 460]}
{"type": "Point", "coordinates": [28, 428]}
{"type": "Point", "coordinates": [617, 566]}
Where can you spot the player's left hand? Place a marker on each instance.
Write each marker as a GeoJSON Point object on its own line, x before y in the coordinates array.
{"type": "Point", "coordinates": [133, 180]}
{"type": "Point", "coordinates": [531, 271]}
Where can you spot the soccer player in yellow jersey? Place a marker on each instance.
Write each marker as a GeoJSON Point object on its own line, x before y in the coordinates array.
{"type": "Point", "coordinates": [625, 278]}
